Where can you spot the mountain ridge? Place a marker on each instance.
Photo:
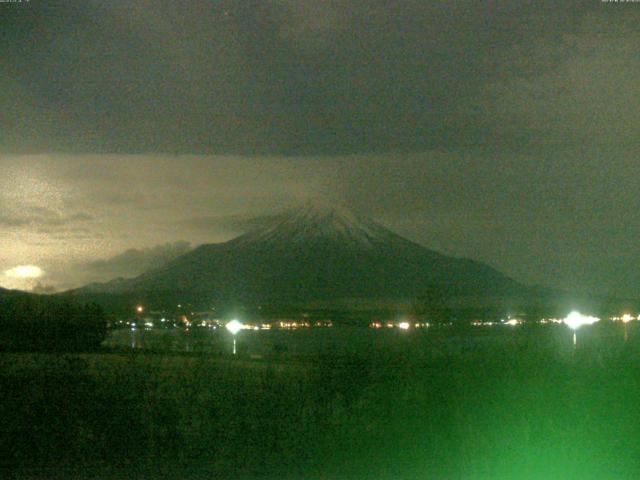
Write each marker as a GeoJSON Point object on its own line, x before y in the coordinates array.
{"type": "Point", "coordinates": [314, 252]}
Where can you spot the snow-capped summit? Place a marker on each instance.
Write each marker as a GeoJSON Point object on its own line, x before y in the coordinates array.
{"type": "Point", "coordinates": [318, 220]}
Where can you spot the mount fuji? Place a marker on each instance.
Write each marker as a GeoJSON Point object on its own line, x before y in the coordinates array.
{"type": "Point", "coordinates": [315, 252]}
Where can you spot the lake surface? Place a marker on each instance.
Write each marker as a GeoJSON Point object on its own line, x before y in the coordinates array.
{"type": "Point", "coordinates": [353, 340]}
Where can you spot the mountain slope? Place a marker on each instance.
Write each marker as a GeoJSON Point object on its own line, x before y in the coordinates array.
{"type": "Point", "coordinates": [312, 253]}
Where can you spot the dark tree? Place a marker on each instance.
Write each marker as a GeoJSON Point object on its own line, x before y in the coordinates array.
{"type": "Point", "coordinates": [30, 322]}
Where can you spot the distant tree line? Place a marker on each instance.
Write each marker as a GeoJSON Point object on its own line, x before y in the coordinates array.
{"type": "Point", "coordinates": [34, 322]}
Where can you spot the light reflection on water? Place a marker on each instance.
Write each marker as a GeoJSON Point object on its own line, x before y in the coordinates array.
{"type": "Point", "coordinates": [354, 340]}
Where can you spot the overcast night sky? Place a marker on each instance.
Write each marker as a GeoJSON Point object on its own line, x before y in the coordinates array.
{"type": "Point", "coordinates": [507, 132]}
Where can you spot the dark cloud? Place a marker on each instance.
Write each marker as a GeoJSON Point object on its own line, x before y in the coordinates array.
{"type": "Point", "coordinates": [288, 76]}
{"type": "Point", "coordinates": [11, 221]}
{"type": "Point", "coordinates": [134, 261]}
{"type": "Point", "coordinates": [42, 218]}
{"type": "Point", "coordinates": [73, 233]}
{"type": "Point", "coordinates": [234, 224]}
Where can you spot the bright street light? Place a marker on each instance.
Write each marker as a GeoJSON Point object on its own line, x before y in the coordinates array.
{"type": "Point", "coordinates": [575, 320]}
{"type": "Point", "coordinates": [234, 326]}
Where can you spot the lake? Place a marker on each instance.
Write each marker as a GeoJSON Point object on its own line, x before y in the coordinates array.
{"type": "Point", "coordinates": [422, 342]}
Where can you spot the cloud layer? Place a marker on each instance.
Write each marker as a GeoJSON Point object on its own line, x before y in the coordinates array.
{"type": "Point", "coordinates": [134, 261]}
{"type": "Point", "coordinates": [308, 77]}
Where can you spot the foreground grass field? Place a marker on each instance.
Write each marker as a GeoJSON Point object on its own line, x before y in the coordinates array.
{"type": "Point", "coordinates": [511, 411]}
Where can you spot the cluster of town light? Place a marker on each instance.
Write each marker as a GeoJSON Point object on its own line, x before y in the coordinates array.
{"type": "Point", "coordinates": [626, 318]}
{"type": "Point", "coordinates": [402, 325]}
{"type": "Point", "coordinates": [574, 321]}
